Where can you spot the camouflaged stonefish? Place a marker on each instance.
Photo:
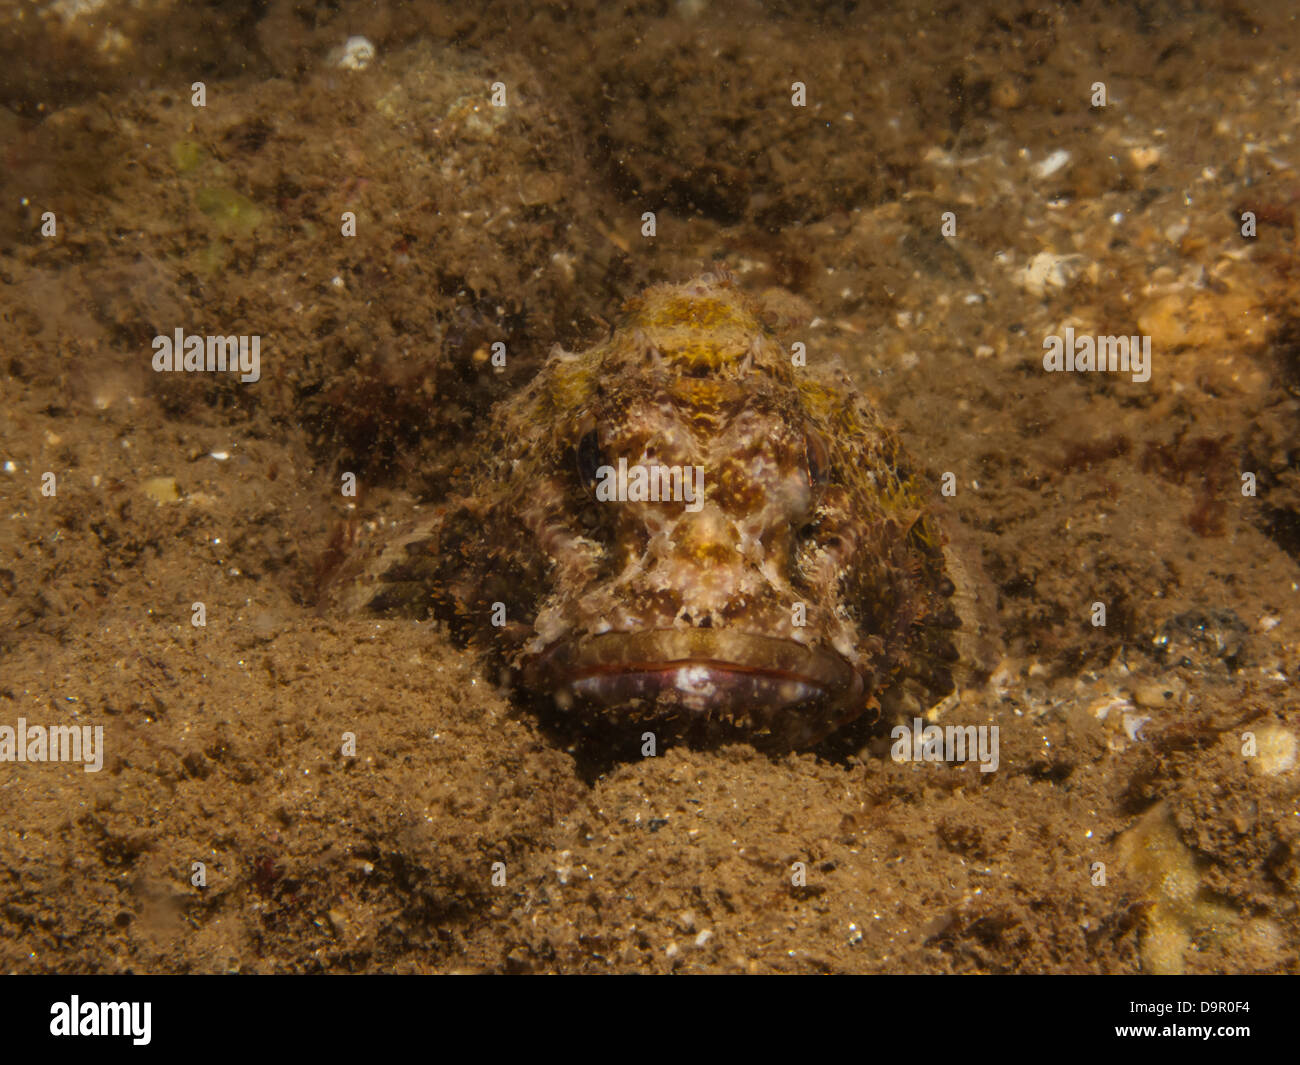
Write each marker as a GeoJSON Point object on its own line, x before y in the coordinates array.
{"type": "Point", "coordinates": [684, 528]}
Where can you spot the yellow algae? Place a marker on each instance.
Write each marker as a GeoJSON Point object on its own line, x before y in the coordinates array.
{"type": "Point", "coordinates": [162, 489]}
{"type": "Point", "coordinates": [187, 156]}
{"type": "Point", "coordinates": [233, 212]}
{"type": "Point", "coordinates": [1153, 854]}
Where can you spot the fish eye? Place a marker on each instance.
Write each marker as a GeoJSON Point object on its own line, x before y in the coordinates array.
{"type": "Point", "coordinates": [818, 457]}
{"type": "Point", "coordinates": [589, 457]}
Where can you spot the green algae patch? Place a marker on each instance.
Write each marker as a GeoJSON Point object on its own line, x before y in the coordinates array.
{"type": "Point", "coordinates": [188, 156]}
{"type": "Point", "coordinates": [234, 213]}
{"type": "Point", "coordinates": [211, 260]}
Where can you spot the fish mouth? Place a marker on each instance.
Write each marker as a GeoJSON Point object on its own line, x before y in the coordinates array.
{"type": "Point", "coordinates": [712, 672]}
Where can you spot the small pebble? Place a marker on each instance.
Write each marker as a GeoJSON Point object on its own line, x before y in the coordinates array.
{"type": "Point", "coordinates": [1149, 695]}
{"type": "Point", "coordinates": [1058, 160]}
{"type": "Point", "coordinates": [1275, 750]}
{"type": "Point", "coordinates": [1005, 94]}
{"type": "Point", "coordinates": [1144, 158]}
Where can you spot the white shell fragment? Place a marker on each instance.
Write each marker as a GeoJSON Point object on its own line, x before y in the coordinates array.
{"type": "Point", "coordinates": [357, 54]}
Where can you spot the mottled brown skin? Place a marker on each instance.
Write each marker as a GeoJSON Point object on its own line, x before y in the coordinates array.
{"type": "Point", "coordinates": [640, 613]}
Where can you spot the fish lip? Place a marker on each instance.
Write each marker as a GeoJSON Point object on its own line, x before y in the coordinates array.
{"type": "Point", "coordinates": [706, 670]}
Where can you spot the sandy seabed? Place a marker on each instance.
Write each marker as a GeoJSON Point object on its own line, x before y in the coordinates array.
{"type": "Point", "coordinates": [1143, 816]}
